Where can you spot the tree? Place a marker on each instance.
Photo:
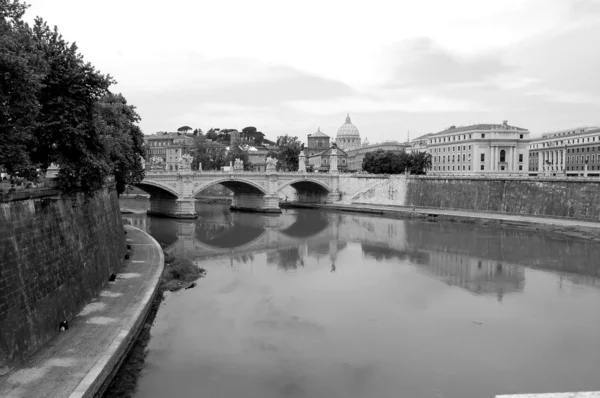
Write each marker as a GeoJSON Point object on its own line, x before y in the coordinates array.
{"type": "Point", "coordinates": [115, 121]}
{"type": "Point", "coordinates": [420, 162]}
{"type": "Point", "coordinates": [198, 132]}
{"type": "Point", "coordinates": [51, 110]}
{"type": "Point", "coordinates": [212, 155]}
{"type": "Point", "coordinates": [249, 130]}
{"type": "Point", "coordinates": [289, 150]}
{"type": "Point", "coordinates": [391, 162]}
{"type": "Point", "coordinates": [23, 69]}
{"type": "Point", "coordinates": [212, 134]}
{"type": "Point", "coordinates": [184, 129]}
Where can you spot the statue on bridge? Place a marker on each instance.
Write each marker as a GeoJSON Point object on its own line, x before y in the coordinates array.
{"type": "Point", "coordinates": [185, 162]}
{"type": "Point", "coordinates": [333, 163]}
{"type": "Point", "coordinates": [157, 163]}
{"type": "Point", "coordinates": [302, 161]}
{"type": "Point", "coordinates": [238, 165]}
{"type": "Point", "coordinates": [271, 164]}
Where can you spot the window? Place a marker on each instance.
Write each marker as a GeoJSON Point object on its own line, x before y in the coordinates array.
{"type": "Point", "coordinates": [502, 157]}
{"type": "Point", "coordinates": [482, 167]}
{"type": "Point", "coordinates": [521, 136]}
{"type": "Point", "coordinates": [483, 158]}
{"type": "Point", "coordinates": [319, 144]}
{"type": "Point", "coordinates": [482, 135]}
{"type": "Point", "coordinates": [464, 157]}
{"type": "Point", "coordinates": [469, 145]}
{"type": "Point", "coordinates": [520, 157]}
{"type": "Point", "coordinates": [520, 167]}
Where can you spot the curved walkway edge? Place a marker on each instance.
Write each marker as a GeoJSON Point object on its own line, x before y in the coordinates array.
{"type": "Point", "coordinates": [81, 361]}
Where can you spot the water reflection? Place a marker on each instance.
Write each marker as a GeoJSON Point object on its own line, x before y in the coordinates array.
{"type": "Point", "coordinates": [336, 305]}
{"type": "Point", "coordinates": [482, 260]}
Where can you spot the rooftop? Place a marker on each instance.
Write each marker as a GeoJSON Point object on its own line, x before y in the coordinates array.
{"type": "Point", "coordinates": [479, 127]}
{"type": "Point", "coordinates": [319, 133]}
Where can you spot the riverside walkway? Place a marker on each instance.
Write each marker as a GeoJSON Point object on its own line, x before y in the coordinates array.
{"type": "Point", "coordinates": [78, 362]}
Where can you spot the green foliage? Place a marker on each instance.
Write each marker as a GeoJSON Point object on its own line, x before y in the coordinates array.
{"type": "Point", "coordinates": [52, 108]}
{"type": "Point", "coordinates": [391, 162]}
{"type": "Point", "coordinates": [289, 150]}
{"type": "Point", "coordinates": [212, 134]}
{"type": "Point", "coordinates": [184, 129]}
{"type": "Point", "coordinates": [212, 155]}
{"type": "Point", "coordinates": [123, 139]}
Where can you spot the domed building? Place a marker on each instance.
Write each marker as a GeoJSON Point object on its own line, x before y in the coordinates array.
{"type": "Point", "coordinates": [348, 136]}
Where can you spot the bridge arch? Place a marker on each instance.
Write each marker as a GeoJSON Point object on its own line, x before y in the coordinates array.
{"type": "Point", "coordinates": [236, 185]}
{"type": "Point", "coordinates": [156, 189]}
{"type": "Point", "coordinates": [302, 184]}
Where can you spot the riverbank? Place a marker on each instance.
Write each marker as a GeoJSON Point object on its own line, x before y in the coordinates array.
{"type": "Point", "coordinates": [80, 361]}
{"type": "Point", "coordinates": [574, 228]}
{"type": "Point", "coordinates": [177, 274]}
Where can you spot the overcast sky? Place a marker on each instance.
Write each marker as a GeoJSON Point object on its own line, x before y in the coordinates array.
{"type": "Point", "coordinates": [395, 66]}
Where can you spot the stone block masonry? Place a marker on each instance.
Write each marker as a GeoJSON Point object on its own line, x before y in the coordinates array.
{"type": "Point", "coordinates": [577, 198]}
{"type": "Point", "coordinates": [56, 253]}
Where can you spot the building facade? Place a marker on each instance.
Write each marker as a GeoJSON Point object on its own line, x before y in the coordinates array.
{"type": "Point", "coordinates": [480, 149]}
{"type": "Point", "coordinates": [317, 143]}
{"type": "Point", "coordinates": [572, 152]}
{"type": "Point", "coordinates": [321, 162]}
{"type": "Point", "coordinates": [169, 147]}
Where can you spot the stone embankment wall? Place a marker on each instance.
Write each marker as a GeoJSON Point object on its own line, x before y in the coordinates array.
{"type": "Point", "coordinates": [56, 254]}
{"type": "Point", "coordinates": [554, 197]}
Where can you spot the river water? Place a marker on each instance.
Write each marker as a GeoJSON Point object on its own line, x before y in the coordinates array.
{"type": "Point", "coordinates": [316, 304]}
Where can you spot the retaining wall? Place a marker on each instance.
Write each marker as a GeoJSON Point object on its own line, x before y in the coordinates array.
{"type": "Point", "coordinates": [56, 253]}
{"type": "Point", "coordinates": [554, 197]}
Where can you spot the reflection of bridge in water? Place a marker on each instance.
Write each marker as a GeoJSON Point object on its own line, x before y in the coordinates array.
{"type": "Point", "coordinates": [482, 260]}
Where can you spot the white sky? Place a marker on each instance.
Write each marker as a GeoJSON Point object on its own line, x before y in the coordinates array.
{"type": "Point", "coordinates": [289, 67]}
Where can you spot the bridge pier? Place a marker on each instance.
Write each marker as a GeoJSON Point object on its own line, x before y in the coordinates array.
{"type": "Point", "coordinates": [255, 202]}
{"type": "Point", "coordinates": [175, 208]}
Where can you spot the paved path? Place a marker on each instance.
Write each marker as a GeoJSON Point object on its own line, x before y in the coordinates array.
{"type": "Point", "coordinates": [505, 218]}
{"type": "Point", "coordinates": [77, 362]}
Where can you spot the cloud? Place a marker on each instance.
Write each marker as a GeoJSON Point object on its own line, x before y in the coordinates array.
{"type": "Point", "coordinates": [422, 62]}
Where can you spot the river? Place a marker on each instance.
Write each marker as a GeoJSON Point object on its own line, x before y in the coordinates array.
{"type": "Point", "coordinates": [316, 304]}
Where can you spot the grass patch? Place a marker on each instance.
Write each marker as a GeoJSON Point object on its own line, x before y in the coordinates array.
{"type": "Point", "coordinates": [179, 273]}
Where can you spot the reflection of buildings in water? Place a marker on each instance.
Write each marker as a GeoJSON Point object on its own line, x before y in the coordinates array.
{"type": "Point", "coordinates": [531, 249]}
{"type": "Point", "coordinates": [479, 276]}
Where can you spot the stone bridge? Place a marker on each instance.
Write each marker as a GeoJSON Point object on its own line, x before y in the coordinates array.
{"type": "Point", "coordinates": [173, 193]}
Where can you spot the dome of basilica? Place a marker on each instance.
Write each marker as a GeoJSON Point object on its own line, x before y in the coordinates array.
{"type": "Point", "coordinates": [348, 136]}
{"type": "Point", "coordinates": [348, 129]}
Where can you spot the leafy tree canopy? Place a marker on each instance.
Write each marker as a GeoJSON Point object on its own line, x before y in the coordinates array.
{"type": "Point", "coordinates": [392, 162]}
{"type": "Point", "coordinates": [56, 108]}
{"type": "Point", "coordinates": [184, 129]}
{"type": "Point", "coordinates": [288, 152]}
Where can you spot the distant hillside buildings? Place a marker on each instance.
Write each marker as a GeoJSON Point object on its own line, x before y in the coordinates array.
{"type": "Point", "coordinates": [479, 149]}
